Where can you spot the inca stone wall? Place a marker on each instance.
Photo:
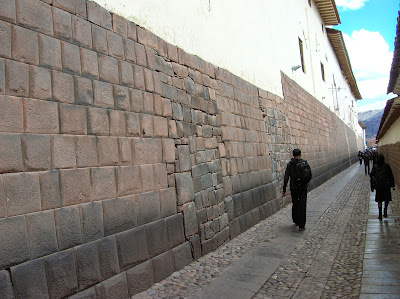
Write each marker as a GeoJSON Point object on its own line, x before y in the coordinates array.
{"type": "Point", "coordinates": [123, 158]}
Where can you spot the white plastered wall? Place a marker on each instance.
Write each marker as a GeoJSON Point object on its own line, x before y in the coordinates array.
{"type": "Point", "coordinates": [254, 39]}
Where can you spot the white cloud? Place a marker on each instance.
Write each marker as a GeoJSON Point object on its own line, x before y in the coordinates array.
{"type": "Point", "coordinates": [350, 4]}
{"type": "Point", "coordinates": [371, 61]}
{"type": "Point", "coordinates": [378, 105]}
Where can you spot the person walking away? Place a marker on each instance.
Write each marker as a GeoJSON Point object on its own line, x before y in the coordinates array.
{"type": "Point", "coordinates": [382, 180]}
{"type": "Point", "coordinates": [360, 157]}
{"type": "Point", "coordinates": [299, 173]}
{"type": "Point", "coordinates": [366, 162]}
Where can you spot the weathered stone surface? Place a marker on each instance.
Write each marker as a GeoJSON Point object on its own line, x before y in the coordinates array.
{"type": "Point", "coordinates": [140, 278]}
{"type": "Point", "coordinates": [190, 219]}
{"type": "Point", "coordinates": [29, 280]}
{"type": "Point", "coordinates": [156, 236]}
{"type": "Point", "coordinates": [175, 230]}
{"type": "Point", "coordinates": [119, 214]}
{"type": "Point", "coordinates": [68, 227]}
{"type": "Point", "coordinates": [6, 287]}
{"type": "Point", "coordinates": [114, 287]}
{"type": "Point", "coordinates": [108, 257]}
{"type": "Point", "coordinates": [91, 215]}
{"type": "Point", "coordinates": [87, 265]}
{"type": "Point", "coordinates": [132, 247]}
{"type": "Point", "coordinates": [184, 187]}
{"type": "Point", "coordinates": [163, 265]}
{"type": "Point", "coordinates": [182, 255]}
{"type": "Point", "coordinates": [61, 274]}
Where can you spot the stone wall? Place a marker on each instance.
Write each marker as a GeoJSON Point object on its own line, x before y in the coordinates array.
{"type": "Point", "coordinates": [123, 158]}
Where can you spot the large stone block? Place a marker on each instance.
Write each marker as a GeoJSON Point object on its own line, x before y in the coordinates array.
{"type": "Point", "coordinates": [35, 15]}
{"type": "Point", "coordinates": [140, 278]}
{"type": "Point", "coordinates": [49, 189]}
{"type": "Point", "coordinates": [175, 230]}
{"type": "Point", "coordinates": [160, 176]}
{"type": "Point", "coordinates": [49, 52]}
{"type": "Point", "coordinates": [103, 183]}
{"type": "Point", "coordinates": [29, 280]}
{"type": "Point", "coordinates": [132, 247]}
{"type": "Point", "coordinates": [149, 207]}
{"type": "Point", "coordinates": [63, 87]}
{"type": "Point", "coordinates": [10, 153]}
{"type": "Point", "coordinates": [128, 180]}
{"type": "Point", "coordinates": [119, 214]}
{"type": "Point", "coordinates": [11, 113]}
{"type": "Point", "coordinates": [190, 219]}
{"type": "Point", "coordinates": [91, 221]}
{"type": "Point", "coordinates": [17, 78]}
{"type": "Point", "coordinates": [75, 186]}
{"type": "Point", "coordinates": [98, 121]}
{"type": "Point", "coordinates": [168, 203]}
{"type": "Point", "coordinates": [107, 150]}
{"type": "Point", "coordinates": [81, 31]}
{"type": "Point", "coordinates": [163, 266]}
{"type": "Point", "coordinates": [90, 67]}
{"type": "Point", "coordinates": [68, 227]}
{"type": "Point", "coordinates": [157, 237]}
{"type": "Point", "coordinates": [113, 288]}
{"type": "Point", "coordinates": [22, 191]}
{"type": "Point", "coordinates": [184, 187]}
{"type": "Point", "coordinates": [108, 257]}
{"type": "Point", "coordinates": [86, 151]}
{"type": "Point", "coordinates": [103, 94]}
{"type": "Point", "coordinates": [41, 233]}
{"type": "Point", "coordinates": [71, 59]}
{"type": "Point", "coordinates": [73, 119]}
{"type": "Point", "coordinates": [25, 45]}
{"type": "Point", "coordinates": [6, 287]}
{"type": "Point", "coordinates": [117, 122]}
{"type": "Point", "coordinates": [14, 243]}
{"type": "Point", "coordinates": [63, 151]}
{"type": "Point", "coordinates": [37, 151]}
{"type": "Point", "coordinates": [87, 265]}
{"type": "Point", "coordinates": [147, 151]}
{"type": "Point", "coordinates": [61, 274]}
{"type": "Point", "coordinates": [182, 255]}
{"type": "Point", "coordinates": [184, 158]}
{"type": "Point", "coordinates": [40, 84]}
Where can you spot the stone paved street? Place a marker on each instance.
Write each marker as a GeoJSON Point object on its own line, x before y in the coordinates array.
{"type": "Point", "coordinates": [345, 252]}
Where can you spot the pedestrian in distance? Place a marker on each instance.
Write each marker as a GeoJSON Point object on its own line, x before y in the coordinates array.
{"type": "Point", "coordinates": [360, 157]}
{"type": "Point", "coordinates": [299, 173]}
{"type": "Point", "coordinates": [381, 181]}
{"type": "Point", "coordinates": [366, 158]}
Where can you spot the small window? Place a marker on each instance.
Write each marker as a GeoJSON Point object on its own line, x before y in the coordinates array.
{"type": "Point", "coordinates": [301, 55]}
{"type": "Point", "coordinates": [309, 2]}
{"type": "Point", "coordinates": [323, 71]}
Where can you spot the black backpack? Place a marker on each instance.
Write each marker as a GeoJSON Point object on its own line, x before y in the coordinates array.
{"type": "Point", "coordinates": [303, 173]}
{"type": "Point", "coordinates": [380, 178]}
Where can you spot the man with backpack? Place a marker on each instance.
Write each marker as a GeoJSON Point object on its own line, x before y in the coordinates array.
{"type": "Point", "coordinates": [382, 180]}
{"type": "Point", "coordinates": [300, 175]}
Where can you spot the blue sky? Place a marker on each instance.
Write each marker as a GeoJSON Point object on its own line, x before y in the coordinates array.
{"type": "Point", "coordinates": [369, 30]}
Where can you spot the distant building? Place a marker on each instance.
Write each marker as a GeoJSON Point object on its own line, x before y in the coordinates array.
{"type": "Point", "coordinates": [388, 136]}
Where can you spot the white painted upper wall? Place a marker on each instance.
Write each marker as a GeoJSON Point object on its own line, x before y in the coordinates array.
{"type": "Point", "coordinates": [254, 39]}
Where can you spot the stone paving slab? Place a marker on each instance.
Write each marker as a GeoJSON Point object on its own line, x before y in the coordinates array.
{"type": "Point", "coordinates": [274, 260]}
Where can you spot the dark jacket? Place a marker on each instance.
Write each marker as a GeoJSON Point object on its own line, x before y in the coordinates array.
{"type": "Point", "coordinates": [290, 172]}
{"type": "Point", "coordinates": [378, 172]}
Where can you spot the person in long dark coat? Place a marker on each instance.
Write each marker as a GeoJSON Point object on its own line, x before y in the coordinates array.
{"type": "Point", "coordinates": [382, 180]}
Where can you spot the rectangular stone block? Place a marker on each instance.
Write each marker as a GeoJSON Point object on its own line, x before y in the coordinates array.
{"type": "Point", "coordinates": [40, 83]}
{"type": "Point", "coordinates": [91, 215]}
{"type": "Point", "coordinates": [160, 176]}
{"type": "Point", "coordinates": [147, 151]}
{"type": "Point", "coordinates": [114, 287]}
{"type": "Point", "coordinates": [117, 123]}
{"type": "Point", "coordinates": [17, 78]}
{"type": "Point", "coordinates": [41, 116]}
{"type": "Point", "coordinates": [22, 192]}
{"type": "Point", "coordinates": [98, 121]}
{"type": "Point", "coordinates": [160, 126]}
{"type": "Point", "coordinates": [3, 208]}
{"type": "Point", "coordinates": [184, 187]}
{"type": "Point", "coordinates": [108, 69]}
{"type": "Point", "coordinates": [87, 265]}
{"type": "Point", "coordinates": [157, 237]}
{"type": "Point", "coordinates": [125, 150]}
{"type": "Point", "coordinates": [14, 243]}
{"type": "Point", "coordinates": [25, 45]}
{"type": "Point", "coordinates": [163, 266]}
{"type": "Point", "coordinates": [126, 73]}
{"type": "Point", "coordinates": [8, 12]}
{"type": "Point", "coordinates": [115, 45]}
{"type": "Point", "coordinates": [119, 214]}
{"type": "Point", "coordinates": [68, 227]}
{"type": "Point", "coordinates": [75, 186]}
{"type": "Point", "coordinates": [146, 177]}
{"type": "Point", "coordinates": [147, 125]}
{"type": "Point", "coordinates": [128, 180]}
{"type": "Point", "coordinates": [86, 151]}
{"type": "Point", "coordinates": [11, 114]}
{"type": "Point", "coordinates": [71, 58]}
{"type": "Point", "coordinates": [37, 151]}
{"type": "Point", "coordinates": [190, 219]}
{"type": "Point", "coordinates": [140, 278]}
{"type": "Point", "coordinates": [107, 150]}
{"type": "Point", "coordinates": [73, 119]}
{"type": "Point", "coordinates": [149, 207]}
{"type": "Point", "coordinates": [182, 255]}
{"type": "Point", "coordinates": [138, 77]}
{"type": "Point", "coordinates": [36, 15]}
{"type": "Point", "coordinates": [136, 97]}
{"type": "Point", "coordinates": [29, 280]}
{"type": "Point", "coordinates": [10, 153]}
{"type": "Point", "coordinates": [41, 233]}
{"type": "Point", "coordinates": [83, 91]}
{"type": "Point", "coordinates": [61, 273]}
{"type": "Point", "coordinates": [49, 189]}
{"type": "Point", "coordinates": [168, 202]}
{"type": "Point", "coordinates": [62, 24]}
{"type": "Point", "coordinates": [133, 124]}
{"type": "Point", "coordinates": [121, 98]}
{"type": "Point", "coordinates": [63, 87]}
{"type": "Point", "coordinates": [103, 183]}
{"type": "Point", "coordinates": [81, 32]}
{"type": "Point", "coordinates": [49, 52]}
{"type": "Point", "coordinates": [103, 94]}
{"type": "Point", "coordinates": [132, 247]}
{"type": "Point", "coordinates": [6, 287]}
{"type": "Point", "coordinates": [108, 257]}
{"type": "Point", "coordinates": [175, 230]}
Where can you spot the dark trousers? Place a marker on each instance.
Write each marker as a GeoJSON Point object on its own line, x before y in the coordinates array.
{"type": "Point", "coordinates": [299, 201]}
{"type": "Point", "coordinates": [366, 165]}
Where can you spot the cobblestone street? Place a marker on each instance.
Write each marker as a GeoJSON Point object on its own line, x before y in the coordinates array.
{"type": "Point", "coordinates": [345, 252]}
